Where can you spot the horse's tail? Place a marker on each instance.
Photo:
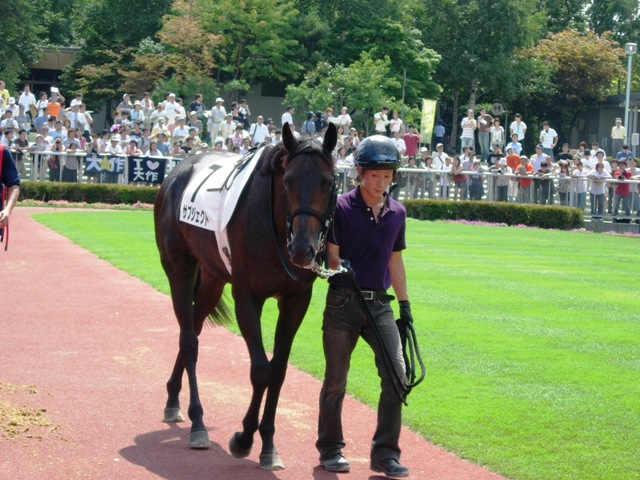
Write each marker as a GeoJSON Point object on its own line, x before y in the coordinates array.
{"type": "Point", "coordinates": [221, 315]}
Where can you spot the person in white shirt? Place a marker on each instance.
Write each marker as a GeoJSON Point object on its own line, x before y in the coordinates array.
{"type": "Point", "coordinates": [518, 127]}
{"type": "Point", "coordinates": [548, 139]}
{"type": "Point", "coordinates": [600, 160]}
{"type": "Point", "coordinates": [595, 148]}
{"type": "Point", "coordinates": [28, 101]}
{"type": "Point", "coordinates": [8, 122]}
{"type": "Point", "coordinates": [228, 127]}
{"type": "Point", "coordinates": [399, 142]}
{"type": "Point", "coordinates": [42, 103]}
{"type": "Point", "coordinates": [597, 189]}
{"type": "Point", "coordinates": [287, 116]}
{"type": "Point", "coordinates": [258, 131]}
{"type": "Point", "coordinates": [344, 119]}
{"type": "Point", "coordinates": [579, 175]}
{"type": "Point", "coordinates": [395, 124]}
{"type": "Point", "coordinates": [468, 125]}
{"type": "Point", "coordinates": [218, 114]}
{"type": "Point", "coordinates": [77, 100]}
{"type": "Point", "coordinates": [181, 131]}
{"type": "Point", "coordinates": [381, 121]}
{"type": "Point", "coordinates": [439, 157]}
{"type": "Point", "coordinates": [171, 108]}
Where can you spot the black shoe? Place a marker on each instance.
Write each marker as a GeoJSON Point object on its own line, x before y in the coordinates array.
{"type": "Point", "coordinates": [337, 463]}
{"type": "Point", "coordinates": [390, 467]}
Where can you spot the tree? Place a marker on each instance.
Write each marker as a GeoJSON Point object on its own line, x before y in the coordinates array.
{"type": "Point", "coordinates": [383, 29]}
{"type": "Point", "coordinates": [257, 40]}
{"type": "Point", "coordinates": [20, 44]}
{"type": "Point", "coordinates": [577, 70]}
{"type": "Point", "coordinates": [112, 31]}
{"type": "Point", "coordinates": [363, 86]}
{"type": "Point", "coordinates": [477, 40]}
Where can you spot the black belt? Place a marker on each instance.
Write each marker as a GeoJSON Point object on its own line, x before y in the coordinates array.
{"type": "Point", "coordinates": [367, 294]}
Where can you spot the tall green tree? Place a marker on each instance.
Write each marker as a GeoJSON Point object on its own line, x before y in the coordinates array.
{"type": "Point", "coordinates": [384, 29]}
{"type": "Point", "coordinates": [576, 70]}
{"type": "Point", "coordinates": [111, 31]}
{"type": "Point", "coordinates": [363, 87]}
{"type": "Point", "coordinates": [477, 40]}
{"type": "Point", "coordinates": [21, 42]}
{"type": "Point", "coordinates": [257, 40]}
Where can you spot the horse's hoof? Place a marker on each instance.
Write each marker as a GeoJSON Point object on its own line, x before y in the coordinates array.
{"type": "Point", "coordinates": [199, 440]}
{"type": "Point", "coordinates": [236, 450]}
{"type": "Point", "coordinates": [173, 415]}
{"type": "Point", "coordinates": [271, 461]}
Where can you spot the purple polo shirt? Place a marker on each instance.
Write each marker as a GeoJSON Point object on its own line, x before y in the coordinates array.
{"type": "Point", "coordinates": [366, 244]}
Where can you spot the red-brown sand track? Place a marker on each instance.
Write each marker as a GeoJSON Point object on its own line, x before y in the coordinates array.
{"type": "Point", "coordinates": [85, 351]}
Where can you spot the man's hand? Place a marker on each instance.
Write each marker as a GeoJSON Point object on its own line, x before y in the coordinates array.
{"type": "Point", "coordinates": [405, 311]}
{"type": "Point", "coordinates": [4, 218]}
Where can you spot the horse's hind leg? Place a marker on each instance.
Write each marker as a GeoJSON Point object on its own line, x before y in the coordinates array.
{"type": "Point", "coordinates": [182, 292]}
{"type": "Point", "coordinates": [207, 297]}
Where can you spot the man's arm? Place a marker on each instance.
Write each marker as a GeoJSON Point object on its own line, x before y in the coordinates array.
{"type": "Point", "coordinates": [333, 252]}
{"type": "Point", "coordinates": [398, 276]}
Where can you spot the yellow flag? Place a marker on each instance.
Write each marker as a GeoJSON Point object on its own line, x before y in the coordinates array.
{"type": "Point", "coordinates": [428, 119]}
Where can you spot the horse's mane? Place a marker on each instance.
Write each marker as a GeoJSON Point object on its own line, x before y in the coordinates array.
{"type": "Point", "coordinates": [275, 157]}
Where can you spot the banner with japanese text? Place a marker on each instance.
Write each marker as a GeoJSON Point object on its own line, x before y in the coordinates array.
{"type": "Point", "coordinates": [145, 169]}
{"type": "Point", "coordinates": [95, 163]}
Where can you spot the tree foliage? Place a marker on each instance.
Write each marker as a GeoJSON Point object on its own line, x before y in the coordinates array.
{"type": "Point", "coordinates": [362, 86]}
{"type": "Point", "coordinates": [582, 66]}
{"type": "Point", "coordinates": [257, 40]}
{"type": "Point", "coordinates": [21, 43]}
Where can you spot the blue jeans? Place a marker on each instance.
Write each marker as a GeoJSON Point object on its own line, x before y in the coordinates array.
{"type": "Point", "coordinates": [467, 142]}
{"type": "Point", "coordinates": [344, 323]}
{"type": "Point", "coordinates": [626, 204]}
{"type": "Point", "coordinates": [597, 204]}
{"type": "Point", "coordinates": [484, 138]}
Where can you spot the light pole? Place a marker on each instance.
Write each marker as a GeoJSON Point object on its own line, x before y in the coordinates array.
{"type": "Point", "coordinates": [630, 49]}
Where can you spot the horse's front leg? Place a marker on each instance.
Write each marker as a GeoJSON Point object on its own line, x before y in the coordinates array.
{"type": "Point", "coordinates": [292, 311]}
{"type": "Point", "coordinates": [248, 310]}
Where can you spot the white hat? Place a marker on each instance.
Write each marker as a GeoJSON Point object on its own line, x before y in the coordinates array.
{"type": "Point", "coordinates": [172, 95]}
{"type": "Point", "coordinates": [12, 100]}
{"type": "Point", "coordinates": [125, 95]}
{"type": "Point", "coordinates": [424, 149]}
{"type": "Point", "coordinates": [219, 99]}
{"type": "Point", "coordinates": [137, 102]}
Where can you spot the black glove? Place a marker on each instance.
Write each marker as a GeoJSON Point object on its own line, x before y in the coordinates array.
{"type": "Point", "coordinates": [405, 311]}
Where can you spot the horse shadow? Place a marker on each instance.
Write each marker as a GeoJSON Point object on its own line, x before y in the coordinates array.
{"type": "Point", "coordinates": [166, 454]}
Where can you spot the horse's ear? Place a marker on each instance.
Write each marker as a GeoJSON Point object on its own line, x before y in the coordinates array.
{"type": "Point", "coordinates": [288, 140]}
{"type": "Point", "coordinates": [330, 139]}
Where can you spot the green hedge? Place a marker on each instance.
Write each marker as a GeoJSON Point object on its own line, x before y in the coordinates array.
{"type": "Point", "coordinates": [542, 216]}
{"type": "Point", "coordinates": [89, 193]}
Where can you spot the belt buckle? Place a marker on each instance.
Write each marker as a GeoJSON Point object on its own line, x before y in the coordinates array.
{"type": "Point", "coordinates": [368, 295]}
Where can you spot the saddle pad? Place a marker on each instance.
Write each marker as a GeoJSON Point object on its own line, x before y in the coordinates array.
{"type": "Point", "coordinates": [212, 195]}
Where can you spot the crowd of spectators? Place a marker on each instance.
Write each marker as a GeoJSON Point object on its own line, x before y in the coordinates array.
{"type": "Point", "coordinates": [501, 171]}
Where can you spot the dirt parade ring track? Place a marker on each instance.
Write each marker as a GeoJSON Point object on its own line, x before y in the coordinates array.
{"type": "Point", "coordinates": [85, 352]}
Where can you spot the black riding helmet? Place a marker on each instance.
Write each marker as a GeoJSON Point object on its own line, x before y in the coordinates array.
{"type": "Point", "coordinates": [377, 153]}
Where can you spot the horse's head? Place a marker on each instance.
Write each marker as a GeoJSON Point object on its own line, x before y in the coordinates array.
{"type": "Point", "coordinates": [310, 189]}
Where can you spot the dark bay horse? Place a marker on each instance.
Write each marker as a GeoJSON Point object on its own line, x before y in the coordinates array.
{"type": "Point", "coordinates": [275, 234]}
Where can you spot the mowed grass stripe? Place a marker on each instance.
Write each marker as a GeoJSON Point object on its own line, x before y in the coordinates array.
{"type": "Point", "coordinates": [531, 339]}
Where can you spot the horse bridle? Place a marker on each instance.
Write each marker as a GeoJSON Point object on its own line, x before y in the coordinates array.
{"type": "Point", "coordinates": [325, 218]}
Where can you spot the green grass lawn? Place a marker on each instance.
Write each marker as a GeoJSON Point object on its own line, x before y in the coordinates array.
{"type": "Point", "coordinates": [531, 340]}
